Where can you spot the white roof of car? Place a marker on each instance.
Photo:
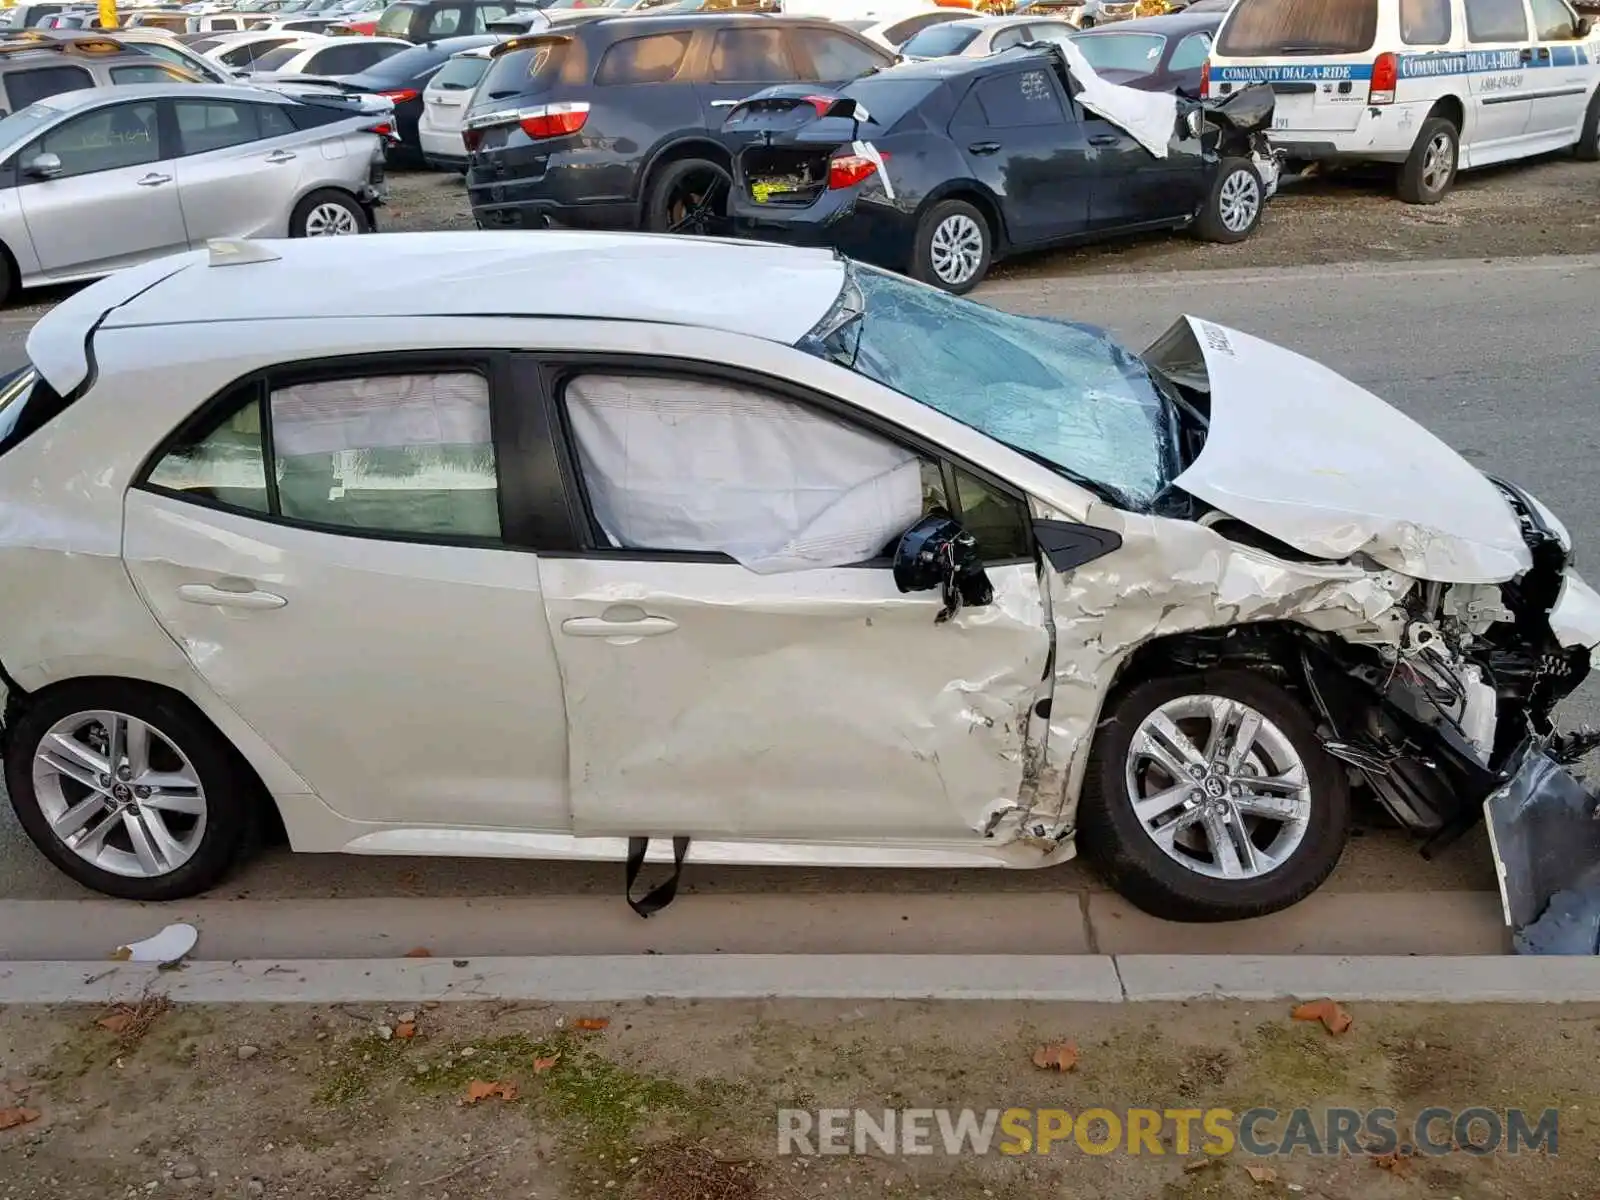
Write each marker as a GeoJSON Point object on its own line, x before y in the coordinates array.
{"type": "Point", "coordinates": [777, 293]}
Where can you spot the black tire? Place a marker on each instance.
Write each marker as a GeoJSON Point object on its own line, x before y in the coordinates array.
{"type": "Point", "coordinates": [1418, 181]}
{"type": "Point", "coordinates": [1234, 205]}
{"type": "Point", "coordinates": [1115, 840]}
{"type": "Point", "coordinates": [961, 224]}
{"type": "Point", "coordinates": [232, 824]}
{"type": "Point", "coordinates": [320, 202]}
{"type": "Point", "coordinates": [1588, 147]}
{"type": "Point", "coordinates": [8, 278]}
{"type": "Point", "coordinates": [690, 197]}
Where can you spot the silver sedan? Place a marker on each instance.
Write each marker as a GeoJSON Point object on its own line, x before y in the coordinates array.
{"type": "Point", "coordinates": [99, 179]}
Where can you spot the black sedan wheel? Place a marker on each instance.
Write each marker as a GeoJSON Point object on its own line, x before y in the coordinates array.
{"type": "Point", "coordinates": [953, 247]}
{"type": "Point", "coordinates": [690, 197]}
{"type": "Point", "coordinates": [1233, 209]}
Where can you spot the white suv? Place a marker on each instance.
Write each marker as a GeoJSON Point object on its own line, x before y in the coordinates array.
{"type": "Point", "coordinates": [1433, 85]}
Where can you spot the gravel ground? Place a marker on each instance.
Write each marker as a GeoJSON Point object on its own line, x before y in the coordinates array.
{"type": "Point", "coordinates": [1546, 206]}
{"type": "Point", "coordinates": [674, 1101]}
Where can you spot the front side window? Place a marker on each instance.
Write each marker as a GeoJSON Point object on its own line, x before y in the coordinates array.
{"type": "Point", "coordinates": [1553, 21]}
{"type": "Point", "coordinates": [1064, 394]}
{"type": "Point", "coordinates": [643, 59]}
{"type": "Point", "coordinates": [1496, 21]}
{"type": "Point", "coordinates": [30, 87]}
{"type": "Point", "coordinates": [1425, 22]}
{"type": "Point", "coordinates": [835, 56]}
{"type": "Point", "coordinates": [121, 135]}
{"type": "Point", "coordinates": [1135, 53]}
{"type": "Point", "coordinates": [751, 56]}
{"type": "Point", "coordinates": [401, 454]}
{"type": "Point", "coordinates": [710, 467]}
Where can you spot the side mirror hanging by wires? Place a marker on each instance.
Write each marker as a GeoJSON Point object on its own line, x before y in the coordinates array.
{"type": "Point", "coordinates": [937, 553]}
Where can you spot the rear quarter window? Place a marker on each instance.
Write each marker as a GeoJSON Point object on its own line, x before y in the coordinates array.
{"type": "Point", "coordinates": [654, 59]}
{"type": "Point", "coordinates": [888, 100]}
{"type": "Point", "coordinates": [1267, 28]}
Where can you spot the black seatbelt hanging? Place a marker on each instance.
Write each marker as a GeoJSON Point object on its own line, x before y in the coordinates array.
{"type": "Point", "coordinates": [662, 894]}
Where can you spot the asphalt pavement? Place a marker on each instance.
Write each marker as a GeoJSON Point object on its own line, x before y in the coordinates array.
{"type": "Point", "coordinates": [1496, 357]}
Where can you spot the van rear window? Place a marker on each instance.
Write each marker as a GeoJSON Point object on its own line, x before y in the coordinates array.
{"type": "Point", "coordinates": [1274, 28]}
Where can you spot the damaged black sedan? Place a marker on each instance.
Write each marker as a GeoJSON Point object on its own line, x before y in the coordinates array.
{"type": "Point", "coordinates": [938, 169]}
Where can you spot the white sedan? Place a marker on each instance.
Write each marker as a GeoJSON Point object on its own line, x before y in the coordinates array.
{"type": "Point", "coordinates": [488, 544]}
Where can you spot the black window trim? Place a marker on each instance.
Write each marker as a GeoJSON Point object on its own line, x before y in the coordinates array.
{"type": "Point", "coordinates": [517, 433]}
{"type": "Point", "coordinates": [559, 368]}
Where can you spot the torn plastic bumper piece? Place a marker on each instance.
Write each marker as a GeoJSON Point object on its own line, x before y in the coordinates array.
{"type": "Point", "coordinates": [1546, 845]}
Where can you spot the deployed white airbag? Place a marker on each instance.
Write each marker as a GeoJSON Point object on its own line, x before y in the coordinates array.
{"type": "Point", "coordinates": [697, 466]}
{"type": "Point", "coordinates": [1150, 118]}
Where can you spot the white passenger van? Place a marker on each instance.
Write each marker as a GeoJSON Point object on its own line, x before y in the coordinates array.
{"type": "Point", "coordinates": [1433, 85]}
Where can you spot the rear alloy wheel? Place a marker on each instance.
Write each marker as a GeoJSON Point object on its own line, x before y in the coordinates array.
{"type": "Point", "coordinates": [953, 248]}
{"type": "Point", "coordinates": [1430, 170]}
{"type": "Point", "coordinates": [1210, 798]}
{"type": "Point", "coordinates": [327, 214]}
{"type": "Point", "coordinates": [128, 791]}
{"type": "Point", "coordinates": [690, 197]}
{"type": "Point", "coordinates": [1233, 209]}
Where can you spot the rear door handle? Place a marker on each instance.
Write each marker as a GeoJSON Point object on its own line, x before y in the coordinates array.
{"type": "Point", "coordinates": [205, 593]}
{"type": "Point", "coordinates": [601, 627]}
{"type": "Point", "coordinates": [281, 156]}
{"type": "Point", "coordinates": [984, 147]}
{"type": "Point", "coordinates": [1104, 139]}
{"type": "Point", "coordinates": [154, 180]}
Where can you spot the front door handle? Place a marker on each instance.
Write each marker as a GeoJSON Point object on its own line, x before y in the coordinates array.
{"type": "Point", "coordinates": [154, 180]}
{"type": "Point", "coordinates": [205, 593]}
{"type": "Point", "coordinates": [281, 156]}
{"type": "Point", "coordinates": [603, 627]}
{"type": "Point", "coordinates": [984, 147]}
{"type": "Point", "coordinates": [1104, 139]}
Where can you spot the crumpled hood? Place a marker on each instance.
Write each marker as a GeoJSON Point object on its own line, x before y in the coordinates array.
{"type": "Point", "coordinates": [1304, 455]}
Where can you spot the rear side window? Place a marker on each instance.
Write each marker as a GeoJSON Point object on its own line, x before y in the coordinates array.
{"type": "Point", "coordinates": [148, 73]}
{"type": "Point", "coordinates": [1136, 52]}
{"type": "Point", "coordinates": [461, 74]}
{"type": "Point", "coordinates": [241, 56]}
{"type": "Point", "coordinates": [215, 125]}
{"type": "Point", "coordinates": [29, 87]}
{"type": "Point", "coordinates": [1007, 38]}
{"type": "Point", "coordinates": [643, 59]}
{"type": "Point", "coordinates": [751, 56]}
{"type": "Point", "coordinates": [1262, 28]}
{"type": "Point", "coordinates": [1496, 21]}
{"type": "Point", "coordinates": [835, 56]}
{"type": "Point", "coordinates": [1019, 99]}
{"type": "Point", "coordinates": [939, 40]}
{"type": "Point", "coordinates": [1425, 22]}
{"type": "Point", "coordinates": [276, 60]}
{"type": "Point", "coordinates": [520, 72]}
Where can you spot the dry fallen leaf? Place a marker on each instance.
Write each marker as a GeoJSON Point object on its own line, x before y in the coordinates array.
{"type": "Point", "coordinates": [1059, 1056]}
{"type": "Point", "coordinates": [117, 1022]}
{"type": "Point", "coordinates": [1394, 1162]}
{"type": "Point", "coordinates": [406, 1030]}
{"type": "Point", "coordinates": [1334, 1019]}
{"type": "Point", "coordinates": [1262, 1174]}
{"type": "Point", "coordinates": [479, 1090]}
{"type": "Point", "coordinates": [419, 952]}
{"type": "Point", "coordinates": [10, 1118]}
{"type": "Point", "coordinates": [1197, 1164]}
{"type": "Point", "coordinates": [591, 1023]}
{"type": "Point", "coordinates": [541, 1065]}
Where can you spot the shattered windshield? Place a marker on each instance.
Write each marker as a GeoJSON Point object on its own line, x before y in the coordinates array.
{"type": "Point", "coordinates": [1066, 395]}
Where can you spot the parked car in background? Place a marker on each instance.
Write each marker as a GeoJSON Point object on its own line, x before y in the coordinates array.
{"type": "Point", "coordinates": [107, 177]}
{"type": "Point", "coordinates": [40, 64]}
{"type": "Point", "coordinates": [893, 33]}
{"type": "Point", "coordinates": [616, 122]}
{"type": "Point", "coordinates": [239, 51]}
{"type": "Point", "coordinates": [977, 37]}
{"type": "Point", "coordinates": [1071, 11]}
{"type": "Point", "coordinates": [401, 79]}
{"type": "Point", "coordinates": [24, 16]}
{"type": "Point", "coordinates": [445, 102]}
{"type": "Point", "coordinates": [428, 20]}
{"type": "Point", "coordinates": [158, 43]}
{"type": "Point", "coordinates": [959, 162]}
{"type": "Point", "coordinates": [1158, 54]}
{"type": "Point", "coordinates": [1432, 86]}
{"type": "Point", "coordinates": [316, 55]}
{"type": "Point", "coordinates": [172, 22]}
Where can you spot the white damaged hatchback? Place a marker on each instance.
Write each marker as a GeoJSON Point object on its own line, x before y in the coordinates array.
{"type": "Point", "coordinates": [480, 544]}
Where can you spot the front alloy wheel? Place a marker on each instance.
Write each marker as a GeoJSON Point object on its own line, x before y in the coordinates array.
{"type": "Point", "coordinates": [1210, 798]}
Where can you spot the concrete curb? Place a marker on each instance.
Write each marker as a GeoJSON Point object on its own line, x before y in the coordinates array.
{"type": "Point", "coordinates": [1081, 978]}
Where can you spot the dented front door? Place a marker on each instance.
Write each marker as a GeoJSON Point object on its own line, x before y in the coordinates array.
{"type": "Point", "coordinates": [817, 705]}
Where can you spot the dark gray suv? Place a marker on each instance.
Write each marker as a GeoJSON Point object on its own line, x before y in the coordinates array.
{"type": "Point", "coordinates": [614, 122]}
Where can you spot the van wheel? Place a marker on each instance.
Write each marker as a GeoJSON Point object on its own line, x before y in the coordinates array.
{"type": "Point", "coordinates": [1588, 147]}
{"type": "Point", "coordinates": [954, 247]}
{"type": "Point", "coordinates": [1430, 170]}
{"type": "Point", "coordinates": [1209, 797]}
{"type": "Point", "coordinates": [1233, 209]}
{"type": "Point", "coordinates": [691, 196]}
